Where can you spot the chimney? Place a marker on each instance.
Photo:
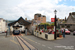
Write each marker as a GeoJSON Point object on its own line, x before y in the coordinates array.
{"type": "Point", "coordinates": [65, 19]}
{"type": "Point", "coordinates": [25, 18]}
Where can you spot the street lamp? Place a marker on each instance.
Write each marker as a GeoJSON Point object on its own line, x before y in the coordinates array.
{"type": "Point", "coordinates": [55, 25]}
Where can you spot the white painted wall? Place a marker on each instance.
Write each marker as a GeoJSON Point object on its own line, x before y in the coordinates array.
{"type": "Point", "coordinates": [21, 29]}
{"type": "Point", "coordinates": [3, 26]}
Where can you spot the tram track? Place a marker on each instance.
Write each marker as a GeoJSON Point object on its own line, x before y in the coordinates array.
{"type": "Point", "coordinates": [24, 44]}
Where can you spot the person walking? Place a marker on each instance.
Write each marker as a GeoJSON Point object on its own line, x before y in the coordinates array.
{"type": "Point", "coordinates": [63, 32]}
{"type": "Point", "coordinates": [50, 31]}
{"type": "Point", "coordinates": [6, 33]}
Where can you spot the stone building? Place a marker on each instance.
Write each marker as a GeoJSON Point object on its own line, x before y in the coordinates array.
{"type": "Point", "coordinates": [69, 22]}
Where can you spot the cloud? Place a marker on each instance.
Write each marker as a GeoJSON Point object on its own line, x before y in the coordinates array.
{"type": "Point", "coordinates": [27, 8]}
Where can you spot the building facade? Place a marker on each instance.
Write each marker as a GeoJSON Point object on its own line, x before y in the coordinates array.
{"type": "Point", "coordinates": [39, 17]}
{"type": "Point", "coordinates": [3, 26]}
{"type": "Point", "coordinates": [24, 23]}
{"type": "Point", "coordinates": [70, 22]}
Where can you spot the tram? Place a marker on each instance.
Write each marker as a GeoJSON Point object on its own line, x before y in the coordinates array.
{"type": "Point", "coordinates": [16, 30]}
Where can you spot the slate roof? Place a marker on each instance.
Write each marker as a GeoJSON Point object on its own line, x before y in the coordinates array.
{"type": "Point", "coordinates": [20, 21]}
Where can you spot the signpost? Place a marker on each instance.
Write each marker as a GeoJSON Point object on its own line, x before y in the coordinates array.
{"type": "Point", "coordinates": [52, 19]}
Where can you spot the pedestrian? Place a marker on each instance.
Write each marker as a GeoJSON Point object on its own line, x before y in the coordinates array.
{"type": "Point", "coordinates": [50, 31]}
{"type": "Point", "coordinates": [6, 33]}
{"type": "Point", "coordinates": [63, 32]}
{"type": "Point", "coordinates": [43, 30]}
{"type": "Point", "coordinates": [26, 30]}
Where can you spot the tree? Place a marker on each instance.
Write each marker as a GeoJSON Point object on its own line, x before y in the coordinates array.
{"type": "Point", "coordinates": [52, 24]}
{"type": "Point", "coordinates": [47, 24]}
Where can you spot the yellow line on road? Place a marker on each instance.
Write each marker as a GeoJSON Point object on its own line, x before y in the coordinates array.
{"type": "Point", "coordinates": [14, 42]}
{"type": "Point", "coordinates": [29, 39]}
{"type": "Point", "coordinates": [22, 44]}
{"type": "Point", "coordinates": [13, 37]}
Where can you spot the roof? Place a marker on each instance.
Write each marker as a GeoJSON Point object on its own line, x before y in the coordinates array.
{"type": "Point", "coordinates": [2, 19]}
{"type": "Point", "coordinates": [66, 24]}
{"type": "Point", "coordinates": [21, 21]}
{"type": "Point", "coordinates": [39, 15]}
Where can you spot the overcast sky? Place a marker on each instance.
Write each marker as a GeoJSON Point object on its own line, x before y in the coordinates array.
{"type": "Point", "coordinates": [13, 9]}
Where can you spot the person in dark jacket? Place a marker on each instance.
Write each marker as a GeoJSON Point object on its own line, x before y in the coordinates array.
{"type": "Point", "coordinates": [63, 32]}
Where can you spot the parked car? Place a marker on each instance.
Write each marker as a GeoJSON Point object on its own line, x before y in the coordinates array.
{"type": "Point", "coordinates": [5, 31]}
{"type": "Point", "coordinates": [74, 33]}
{"type": "Point", "coordinates": [67, 31]}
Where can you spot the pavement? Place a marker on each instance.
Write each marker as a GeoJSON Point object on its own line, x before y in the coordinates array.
{"type": "Point", "coordinates": [11, 43]}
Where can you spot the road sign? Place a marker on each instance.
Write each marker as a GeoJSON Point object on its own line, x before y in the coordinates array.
{"type": "Point", "coordinates": [52, 19]}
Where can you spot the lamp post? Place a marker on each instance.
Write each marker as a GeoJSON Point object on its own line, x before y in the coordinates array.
{"type": "Point", "coordinates": [55, 26]}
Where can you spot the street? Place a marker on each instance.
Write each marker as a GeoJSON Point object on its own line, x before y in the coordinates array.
{"type": "Point", "coordinates": [11, 43]}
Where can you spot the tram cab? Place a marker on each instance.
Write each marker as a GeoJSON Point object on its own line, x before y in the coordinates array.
{"type": "Point", "coordinates": [16, 30]}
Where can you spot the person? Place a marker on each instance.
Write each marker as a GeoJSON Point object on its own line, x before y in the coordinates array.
{"type": "Point", "coordinates": [53, 31]}
{"type": "Point", "coordinates": [50, 31]}
{"type": "Point", "coordinates": [63, 32]}
{"type": "Point", "coordinates": [43, 30]}
{"type": "Point", "coordinates": [26, 31]}
{"type": "Point", "coordinates": [6, 33]}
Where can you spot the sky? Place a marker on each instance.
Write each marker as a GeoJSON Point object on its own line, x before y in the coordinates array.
{"type": "Point", "coordinates": [14, 9]}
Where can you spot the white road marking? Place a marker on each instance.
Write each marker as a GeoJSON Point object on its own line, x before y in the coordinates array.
{"type": "Point", "coordinates": [40, 43]}
{"type": "Point", "coordinates": [49, 47]}
{"type": "Point", "coordinates": [43, 45]}
{"type": "Point", "coordinates": [35, 42]}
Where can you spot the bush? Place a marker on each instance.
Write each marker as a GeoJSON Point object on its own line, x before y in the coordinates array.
{"type": "Point", "coordinates": [47, 24]}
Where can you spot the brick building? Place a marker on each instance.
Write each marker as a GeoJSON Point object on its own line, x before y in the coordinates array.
{"type": "Point", "coordinates": [39, 17]}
